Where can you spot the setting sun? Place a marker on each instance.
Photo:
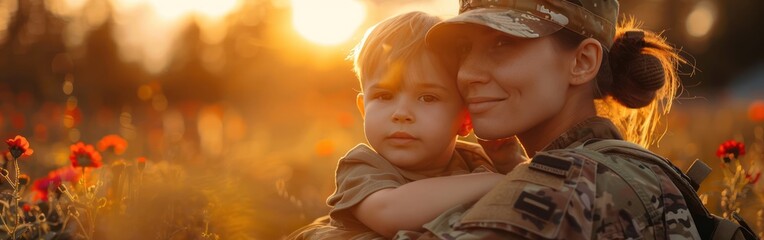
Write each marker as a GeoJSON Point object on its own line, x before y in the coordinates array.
{"type": "Point", "coordinates": [327, 22]}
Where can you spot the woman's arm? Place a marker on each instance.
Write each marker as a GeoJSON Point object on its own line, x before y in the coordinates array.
{"type": "Point", "coordinates": [411, 205]}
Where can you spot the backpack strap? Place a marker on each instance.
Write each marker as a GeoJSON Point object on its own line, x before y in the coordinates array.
{"type": "Point", "coordinates": [726, 229]}
{"type": "Point", "coordinates": [655, 217]}
{"type": "Point", "coordinates": [698, 172]}
{"type": "Point", "coordinates": [681, 181]}
{"type": "Point", "coordinates": [709, 226]}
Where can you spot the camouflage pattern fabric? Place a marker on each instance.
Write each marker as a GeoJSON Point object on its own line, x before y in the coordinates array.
{"type": "Point", "coordinates": [322, 228]}
{"type": "Point", "coordinates": [565, 194]}
{"type": "Point", "coordinates": [361, 172]}
{"type": "Point", "coordinates": [537, 18]}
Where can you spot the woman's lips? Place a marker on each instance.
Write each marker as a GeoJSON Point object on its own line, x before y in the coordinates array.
{"type": "Point", "coordinates": [478, 105]}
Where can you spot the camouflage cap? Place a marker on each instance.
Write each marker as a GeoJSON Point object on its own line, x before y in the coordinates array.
{"type": "Point", "coordinates": [536, 18]}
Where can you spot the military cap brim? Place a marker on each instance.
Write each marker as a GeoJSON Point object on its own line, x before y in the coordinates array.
{"type": "Point", "coordinates": [513, 22]}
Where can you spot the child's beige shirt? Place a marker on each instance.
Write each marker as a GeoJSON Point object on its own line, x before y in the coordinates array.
{"type": "Point", "coordinates": [362, 171]}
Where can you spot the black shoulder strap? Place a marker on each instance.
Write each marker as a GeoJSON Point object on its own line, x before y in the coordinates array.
{"type": "Point", "coordinates": [709, 226]}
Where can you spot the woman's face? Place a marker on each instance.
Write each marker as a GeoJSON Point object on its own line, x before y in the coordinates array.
{"type": "Point", "coordinates": [511, 85]}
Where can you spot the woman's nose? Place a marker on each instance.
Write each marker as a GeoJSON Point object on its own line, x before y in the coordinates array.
{"type": "Point", "coordinates": [472, 69]}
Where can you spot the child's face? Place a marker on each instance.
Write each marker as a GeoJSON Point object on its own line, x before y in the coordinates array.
{"type": "Point", "coordinates": [413, 122]}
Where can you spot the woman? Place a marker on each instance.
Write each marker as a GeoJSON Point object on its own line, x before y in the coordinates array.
{"type": "Point", "coordinates": [559, 75]}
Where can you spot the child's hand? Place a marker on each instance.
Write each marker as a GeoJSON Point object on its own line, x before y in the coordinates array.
{"type": "Point", "coordinates": [504, 153]}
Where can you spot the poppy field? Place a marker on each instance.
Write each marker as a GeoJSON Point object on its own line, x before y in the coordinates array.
{"type": "Point", "coordinates": [225, 119]}
{"type": "Point", "coordinates": [105, 189]}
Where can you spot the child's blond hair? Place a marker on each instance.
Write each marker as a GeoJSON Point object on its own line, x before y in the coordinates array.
{"type": "Point", "coordinates": [388, 46]}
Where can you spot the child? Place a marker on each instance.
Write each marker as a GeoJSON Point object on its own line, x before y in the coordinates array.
{"type": "Point", "coordinates": [415, 168]}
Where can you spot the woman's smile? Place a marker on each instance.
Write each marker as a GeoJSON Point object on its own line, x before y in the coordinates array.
{"type": "Point", "coordinates": [477, 105]}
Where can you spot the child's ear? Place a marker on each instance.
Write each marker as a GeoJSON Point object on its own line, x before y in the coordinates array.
{"type": "Point", "coordinates": [359, 104]}
{"type": "Point", "coordinates": [466, 127]}
{"type": "Point", "coordinates": [587, 61]}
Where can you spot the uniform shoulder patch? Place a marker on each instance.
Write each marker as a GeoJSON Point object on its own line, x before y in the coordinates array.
{"type": "Point", "coordinates": [552, 164]}
{"type": "Point", "coordinates": [549, 197]}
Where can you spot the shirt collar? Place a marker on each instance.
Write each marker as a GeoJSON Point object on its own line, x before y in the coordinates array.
{"type": "Point", "coordinates": [594, 127]}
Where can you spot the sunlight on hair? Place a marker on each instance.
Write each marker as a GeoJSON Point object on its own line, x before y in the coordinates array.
{"type": "Point", "coordinates": [7, 10]}
{"type": "Point", "coordinates": [327, 22]}
{"type": "Point", "coordinates": [701, 19]}
{"type": "Point", "coordinates": [442, 9]}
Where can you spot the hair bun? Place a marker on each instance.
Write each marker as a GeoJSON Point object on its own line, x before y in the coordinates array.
{"type": "Point", "coordinates": [639, 74]}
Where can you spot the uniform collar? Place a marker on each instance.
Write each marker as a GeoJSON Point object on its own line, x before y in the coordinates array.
{"type": "Point", "coordinates": [594, 127]}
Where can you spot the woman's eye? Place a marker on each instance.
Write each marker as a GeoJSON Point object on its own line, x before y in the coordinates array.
{"type": "Point", "coordinates": [461, 47]}
{"type": "Point", "coordinates": [503, 42]}
{"type": "Point", "coordinates": [428, 98]}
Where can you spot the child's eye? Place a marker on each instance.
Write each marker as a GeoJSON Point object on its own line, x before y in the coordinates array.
{"type": "Point", "coordinates": [427, 98]}
{"type": "Point", "coordinates": [383, 96]}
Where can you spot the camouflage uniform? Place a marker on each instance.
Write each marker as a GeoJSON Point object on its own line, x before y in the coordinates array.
{"type": "Point", "coordinates": [361, 172]}
{"type": "Point", "coordinates": [535, 18]}
{"type": "Point", "coordinates": [561, 194]}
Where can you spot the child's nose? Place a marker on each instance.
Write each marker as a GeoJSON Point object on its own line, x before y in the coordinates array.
{"type": "Point", "coordinates": [403, 115]}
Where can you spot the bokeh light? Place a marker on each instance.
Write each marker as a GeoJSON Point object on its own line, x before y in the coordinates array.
{"type": "Point", "coordinates": [251, 102]}
{"type": "Point", "coordinates": [701, 19]}
{"type": "Point", "coordinates": [327, 22]}
{"type": "Point", "coordinates": [756, 111]}
{"type": "Point", "coordinates": [7, 10]}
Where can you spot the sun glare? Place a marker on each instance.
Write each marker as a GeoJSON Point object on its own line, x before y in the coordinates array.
{"type": "Point", "coordinates": [327, 22]}
{"type": "Point", "coordinates": [137, 21]}
{"type": "Point", "coordinates": [174, 9]}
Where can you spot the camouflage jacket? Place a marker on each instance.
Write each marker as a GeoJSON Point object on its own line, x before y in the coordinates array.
{"type": "Point", "coordinates": [561, 194]}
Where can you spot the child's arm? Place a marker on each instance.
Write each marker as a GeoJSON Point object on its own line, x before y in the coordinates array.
{"type": "Point", "coordinates": [411, 205]}
{"type": "Point", "coordinates": [504, 153]}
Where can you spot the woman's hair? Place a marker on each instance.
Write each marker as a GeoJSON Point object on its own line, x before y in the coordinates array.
{"type": "Point", "coordinates": [637, 81]}
{"type": "Point", "coordinates": [389, 45]}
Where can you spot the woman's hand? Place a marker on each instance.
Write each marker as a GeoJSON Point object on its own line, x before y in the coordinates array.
{"type": "Point", "coordinates": [505, 153]}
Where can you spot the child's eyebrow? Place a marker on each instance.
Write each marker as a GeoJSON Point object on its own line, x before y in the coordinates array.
{"type": "Point", "coordinates": [378, 86]}
{"type": "Point", "coordinates": [426, 85]}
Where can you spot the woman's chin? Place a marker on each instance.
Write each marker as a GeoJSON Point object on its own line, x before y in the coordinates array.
{"type": "Point", "coordinates": [490, 134]}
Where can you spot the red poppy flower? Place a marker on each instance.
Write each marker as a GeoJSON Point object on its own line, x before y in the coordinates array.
{"type": "Point", "coordinates": [752, 178]}
{"type": "Point", "coordinates": [54, 179]}
{"type": "Point", "coordinates": [114, 142]}
{"type": "Point", "coordinates": [141, 163]}
{"type": "Point", "coordinates": [19, 146]}
{"type": "Point", "coordinates": [84, 156]}
{"type": "Point", "coordinates": [756, 111]}
{"type": "Point", "coordinates": [730, 147]}
{"type": "Point", "coordinates": [23, 179]}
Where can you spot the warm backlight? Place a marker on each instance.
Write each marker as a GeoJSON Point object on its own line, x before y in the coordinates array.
{"type": "Point", "coordinates": [327, 22]}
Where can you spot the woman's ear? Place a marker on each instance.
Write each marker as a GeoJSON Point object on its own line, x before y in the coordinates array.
{"type": "Point", "coordinates": [359, 104]}
{"type": "Point", "coordinates": [587, 61]}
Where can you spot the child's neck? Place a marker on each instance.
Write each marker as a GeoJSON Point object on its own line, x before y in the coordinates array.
{"type": "Point", "coordinates": [444, 162]}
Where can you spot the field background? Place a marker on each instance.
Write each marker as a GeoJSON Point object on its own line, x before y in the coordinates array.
{"type": "Point", "coordinates": [243, 107]}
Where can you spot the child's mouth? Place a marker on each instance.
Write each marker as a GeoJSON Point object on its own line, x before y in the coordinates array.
{"type": "Point", "coordinates": [399, 138]}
